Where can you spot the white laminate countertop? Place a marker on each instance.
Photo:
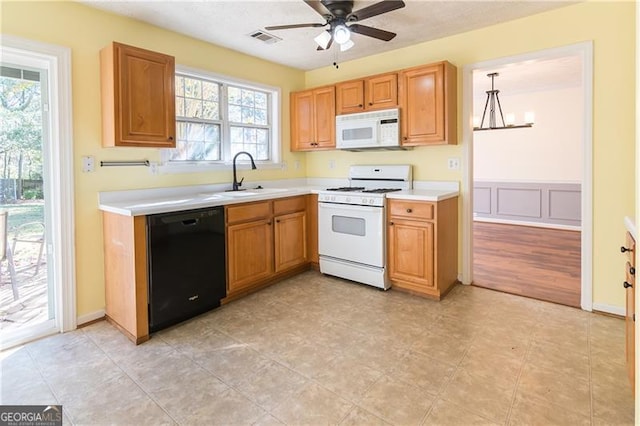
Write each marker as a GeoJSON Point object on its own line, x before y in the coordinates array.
{"type": "Point", "coordinates": [630, 224]}
{"type": "Point", "coordinates": [141, 202]}
{"type": "Point", "coordinates": [423, 194]}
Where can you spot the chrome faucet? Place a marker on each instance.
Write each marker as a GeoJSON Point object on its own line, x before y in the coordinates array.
{"type": "Point", "coordinates": [236, 184]}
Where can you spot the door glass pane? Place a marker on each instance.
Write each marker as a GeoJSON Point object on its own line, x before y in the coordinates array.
{"type": "Point", "coordinates": [26, 294]}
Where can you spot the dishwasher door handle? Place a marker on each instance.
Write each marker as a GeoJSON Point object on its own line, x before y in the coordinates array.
{"type": "Point", "coordinates": [190, 222]}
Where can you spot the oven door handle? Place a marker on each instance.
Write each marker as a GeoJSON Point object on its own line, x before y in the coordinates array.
{"type": "Point", "coordinates": [351, 207]}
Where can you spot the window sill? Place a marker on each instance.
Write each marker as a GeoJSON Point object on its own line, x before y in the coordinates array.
{"type": "Point", "coordinates": [202, 167]}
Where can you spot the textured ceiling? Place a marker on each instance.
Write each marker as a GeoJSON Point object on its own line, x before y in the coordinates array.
{"type": "Point", "coordinates": [530, 76]}
{"type": "Point", "coordinates": [229, 23]}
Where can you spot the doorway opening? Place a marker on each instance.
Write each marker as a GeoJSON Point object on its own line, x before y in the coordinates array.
{"type": "Point", "coordinates": [527, 214]}
{"type": "Point", "coordinates": [37, 267]}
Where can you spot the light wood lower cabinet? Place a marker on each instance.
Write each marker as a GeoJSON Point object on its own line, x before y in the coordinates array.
{"type": "Point", "coordinates": [125, 270]}
{"type": "Point", "coordinates": [422, 238]}
{"type": "Point", "coordinates": [630, 316]}
{"type": "Point", "coordinates": [266, 240]}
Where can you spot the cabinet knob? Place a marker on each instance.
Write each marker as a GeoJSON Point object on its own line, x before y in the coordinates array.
{"type": "Point", "coordinates": [277, 220]}
{"type": "Point", "coordinates": [627, 284]}
{"type": "Point", "coordinates": [370, 103]}
{"type": "Point", "coordinates": [405, 138]}
{"type": "Point", "coordinates": [409, 210]}
{"type": "Point", "coordinates": [360, 105]}
{"type": "Point", "coordinates": [268, 223]}
{"type": "Point", "coordinates": [624, 249]}
{"type": "Point", "coordinates": [632, 270]}
{"type": "Point", "coordinates": [391, 223]}
{"type": "Point", "coordinates": [170, 138]}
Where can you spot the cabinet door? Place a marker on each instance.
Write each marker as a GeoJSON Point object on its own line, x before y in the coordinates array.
{"type": "Point", "coordinates": [422, 105]}
{"type": "Point", "coordinates": [325, 117]}
{"type": "Point", "coordinates": [249, 254]}
{"type": "Point", "coordinates": [312, 228]}
{"type": "Point", "coordinates": [630, 322]}
{"type": "Point", "coordinates": [350, 97]}
{"type": "Point", "coordinates": [411, 254]}
{"type": "Point", "coordinates": [302, 121]}
{"type": "Point", "coordinates": [290, 240]}
{"type": "Point", "coordinates": [144, 98]}
{"type": "Point", "coordinates": [382, 92]}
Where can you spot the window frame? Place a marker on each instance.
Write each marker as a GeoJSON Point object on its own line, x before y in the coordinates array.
{"type": "Point", "coordinates": [275, 105]}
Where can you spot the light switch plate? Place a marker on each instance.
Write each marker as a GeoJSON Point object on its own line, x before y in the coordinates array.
{"type": "Point", "coordinates": [88, 164]}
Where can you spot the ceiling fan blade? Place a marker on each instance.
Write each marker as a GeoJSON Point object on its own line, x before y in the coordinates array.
{"type": "Point", "coordinates": [376, 9]}
{"type": "Point", "coordinates": [372, 32]}
{"type": "Point", "coordinates": [328, 45]}
{"type": "Point", "coordinates": [318, 7]}
{"type": "Point", "coordinates": [286, 27]}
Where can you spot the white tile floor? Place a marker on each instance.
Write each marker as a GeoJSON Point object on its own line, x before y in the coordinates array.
{"type": "Point", "coordinates": [319, 350]}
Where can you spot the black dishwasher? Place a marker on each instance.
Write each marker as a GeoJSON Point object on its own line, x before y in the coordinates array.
{"type": "Point", "coordinates": [186, 264]}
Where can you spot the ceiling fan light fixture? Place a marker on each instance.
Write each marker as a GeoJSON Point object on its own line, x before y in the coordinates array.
{"type": "Point", "coordinates": [323, 39]}
{"type": "Point", "coordinates": [346, 45]}
{"type": "Point", "coordinates": [341, 34]}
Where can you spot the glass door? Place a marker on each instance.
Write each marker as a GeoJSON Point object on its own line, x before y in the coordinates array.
{"type": "Point", "coordinates": [27, 298]}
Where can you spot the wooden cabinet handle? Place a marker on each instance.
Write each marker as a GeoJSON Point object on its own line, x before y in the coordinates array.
{"type": "Point", "coordinates": [624, 249]}
{"type": "Point", "coordinates": [409, 210]}
{"type": "Point", "coordinates": [627, 285]}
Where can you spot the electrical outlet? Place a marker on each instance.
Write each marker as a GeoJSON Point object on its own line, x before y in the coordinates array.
{"type": "Point", "coordinates": [284, 165]}
{"type": "Point", "coordinates": [332, 164]}
{"type": "Point", "coordinates": [88, 164]}
{"type": "Point", "coordinates": [296, 165]}
{"type": "Point", "coordinates": [453, 163]}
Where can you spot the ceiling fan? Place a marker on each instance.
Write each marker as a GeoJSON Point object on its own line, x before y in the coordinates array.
{"type": "Point", "coordinates": [341, 18]}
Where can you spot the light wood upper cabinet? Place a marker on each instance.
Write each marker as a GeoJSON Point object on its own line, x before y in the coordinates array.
{"type": "Point", "coordinates": [313, 114]}
{"type": "Point", "coordinates": [372, 93]}
{"type": "Point", "coordinates": [422, 250]}
{"type": "Point", "coordinates": [428, 105]}
{"type": "Point", "coordinates": [138, 97]}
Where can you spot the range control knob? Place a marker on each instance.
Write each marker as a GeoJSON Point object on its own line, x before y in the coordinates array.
{"type": "Point", "coordinates": [371, 200]}
{"type": "Point", "coordinates": [333, 198]}
{"type": "Point", "coordinates": [364, 201]}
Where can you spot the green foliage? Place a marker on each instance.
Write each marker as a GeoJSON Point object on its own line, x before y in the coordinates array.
{"type": "Point", "coordinates": [20, 128]}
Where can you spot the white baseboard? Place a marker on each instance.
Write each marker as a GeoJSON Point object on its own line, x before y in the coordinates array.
{"type": "Point", "coordinates": [609, 309]}
{"type": "Point", "coordinates": [83, 319]}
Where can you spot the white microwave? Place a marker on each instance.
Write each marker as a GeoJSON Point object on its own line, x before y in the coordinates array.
{"type": "Point", "coordinates": [369, 130]}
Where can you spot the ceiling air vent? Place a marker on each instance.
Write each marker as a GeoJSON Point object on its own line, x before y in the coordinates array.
{"type": "Point", "coordinates": [265, 37]}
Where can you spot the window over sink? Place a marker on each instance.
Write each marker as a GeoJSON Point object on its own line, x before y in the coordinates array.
{"type": "Point", "coordinates": [217, 117]}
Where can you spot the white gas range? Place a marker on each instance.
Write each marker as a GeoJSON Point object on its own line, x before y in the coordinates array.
{"type": "Point", "coordinates": [351, 223]}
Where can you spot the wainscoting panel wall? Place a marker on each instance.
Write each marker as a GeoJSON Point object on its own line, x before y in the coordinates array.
{"type": "Point", "coordinates": [540, 202]}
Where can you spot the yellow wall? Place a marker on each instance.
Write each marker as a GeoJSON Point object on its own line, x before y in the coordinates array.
{"type": "Point", "coordinates": [86, 31]}
{"type": "Point", "coordinates": [611, 26]}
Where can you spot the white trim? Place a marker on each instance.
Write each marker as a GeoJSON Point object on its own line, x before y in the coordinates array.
{"type": "Point", "coordinates": [92, 316]}
{"type": "Point", "coordinates": [609, 309]}
{"type": "Point", "coordinates": [525, 223]}
{"type": "Point", "coordinates": [59, 181]}
{"type": "Point", "coordinates": [25, 335]}
{"type": "Point", "coordinates": [584, 49]}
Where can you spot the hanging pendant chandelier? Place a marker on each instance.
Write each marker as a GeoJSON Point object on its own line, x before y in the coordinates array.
{"type": "Point", "coordinates": [493, 100]}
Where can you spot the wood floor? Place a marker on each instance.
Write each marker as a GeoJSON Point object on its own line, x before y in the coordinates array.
{"type": "Point", "coordinates": [534, 262]}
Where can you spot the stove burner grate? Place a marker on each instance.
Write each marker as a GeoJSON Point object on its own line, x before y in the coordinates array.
{"type": "Point", "coordinates": [347, 188]}
{"type": "Point", "coordinates": [381, 190]}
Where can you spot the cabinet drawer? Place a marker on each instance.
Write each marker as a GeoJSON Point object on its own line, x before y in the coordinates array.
{"type": "Point", "coordinates": [412, 209]}
{"type": "Point", "coordinates": [248, 211]}
{"type": "Point", "coordinates": [289, 205]}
